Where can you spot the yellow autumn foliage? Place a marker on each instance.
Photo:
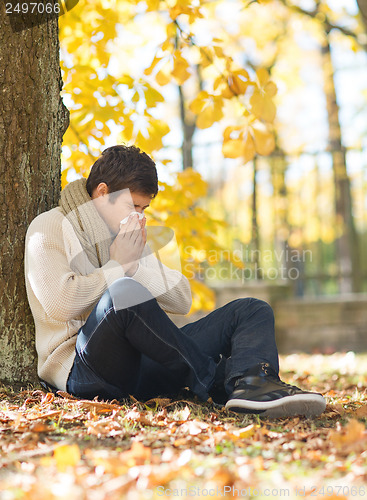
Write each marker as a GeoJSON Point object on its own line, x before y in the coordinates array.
{"type": "Point", "coordinates": [117, 59]}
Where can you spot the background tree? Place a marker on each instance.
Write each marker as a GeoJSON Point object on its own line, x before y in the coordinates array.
{"type": "Point", "coordinates": [275, 31]}
{"type": "Point", "coordinates": [33, 120]}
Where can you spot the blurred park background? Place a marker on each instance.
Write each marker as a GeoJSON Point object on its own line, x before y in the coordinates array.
{"type": "Point", "coordinates": [255, 112]}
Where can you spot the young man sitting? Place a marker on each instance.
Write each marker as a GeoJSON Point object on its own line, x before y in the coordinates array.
{"type": "Point", "coordinates": [99, 299]}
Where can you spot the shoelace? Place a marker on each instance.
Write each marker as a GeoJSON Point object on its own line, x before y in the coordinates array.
{"type": "Point", "coordinates": [287, 386]}
{"type": "Point", "coordinates": [272, 374]}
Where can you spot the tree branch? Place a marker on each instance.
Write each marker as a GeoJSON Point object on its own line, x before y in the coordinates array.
{"type": "Point", "coordinates": [328, 26]}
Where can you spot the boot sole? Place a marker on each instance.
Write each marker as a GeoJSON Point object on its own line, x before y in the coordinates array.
{"type": "Point", "coordinates": [300, 404]}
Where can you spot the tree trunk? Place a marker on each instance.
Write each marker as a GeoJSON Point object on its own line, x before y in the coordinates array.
{"type": "Point", "coordinates": [255, 235]}
{"type": "Point", "coordinates": [362, 5]}
{"type": "Point", "coordinates": [32, 123]}
{"type": "Point", "coordinates": [188, 129]}
{"type": "Point", "coordinates": [346, 237]}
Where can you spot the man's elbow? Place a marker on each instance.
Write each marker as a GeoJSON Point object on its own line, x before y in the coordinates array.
{"type": "Point", "coordinates": [186, 301]}
{"type": "Point", "coordinates": [185, 306]}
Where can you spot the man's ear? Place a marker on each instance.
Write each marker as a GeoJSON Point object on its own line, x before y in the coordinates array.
{"type": "Point", "coordinates": [101, 190]}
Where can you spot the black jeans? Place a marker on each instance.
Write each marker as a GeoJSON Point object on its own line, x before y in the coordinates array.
{"type": "Point", "coordinates": [129, 345]}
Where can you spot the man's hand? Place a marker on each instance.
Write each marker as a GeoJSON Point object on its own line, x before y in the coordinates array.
{"type": "Point", "coordinates": [129, 244]}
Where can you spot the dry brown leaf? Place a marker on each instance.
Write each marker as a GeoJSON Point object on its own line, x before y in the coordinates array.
{"type": "Point", "coordinates": [338, 408]}
{"type": "Point", "coordinates": [162, 477]}
{"type": "Point", "coordinates": [243, 433]}
{"type": "Point", "coordinates": [351, 437]}
{"type": "Point", "coordinates": [258, 463]}
{"type": "Point", "coordinates": [180, 442]}
{"type": "Point", "coordinates": [66, 395]}
{"type": "Point", "coordinates": [361, 412]}
{"type": "Point", "coordinates": [138, 416]}
{"type": "Point", "coordinates": [158, 402]}
{"type": "Point", "coordinates": [68, 417]}
{"type": "Point", "coordinates": [137, 455]}
{"type": "Point", "coordinates": [30, 400]}
{"type": "Point", "coordinates": [108, 463]}
{"type": "Point", "coordinates": [104, 427]}
{"type": "Point", "coordinates": [38, 416]}
{"type": "Point", "coordinates": [48, 398]}
{"type": "Point", "coordinates": [184, 415]}
{"type": "Point", "coordinates": [17, 420]}
{"type": "Point", "coordinates": [145, 421]}
{"type": "Point", "coordinates": [223, 477]}
{"type": "Point", "coordinates": [118, 485]}
{"type": "Point", "coordinates": [193, 427]}
{"type": "Point", "coordinates": [97, 406]}
{"type": "Point", "coordinates": [41, 427]}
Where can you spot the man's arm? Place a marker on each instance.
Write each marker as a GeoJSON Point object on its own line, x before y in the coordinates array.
{"type": "Point", "coordinates": [170, 287]}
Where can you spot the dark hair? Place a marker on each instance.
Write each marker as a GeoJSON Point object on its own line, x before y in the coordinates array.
{"type": "Point", "coordinates": [122, 167]}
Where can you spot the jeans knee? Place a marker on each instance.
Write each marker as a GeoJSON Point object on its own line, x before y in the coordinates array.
{"type": "Point", "coordinates": [265, 308]}
{"type": "Point", "coordinates": [126, 292]}
{"type": "Point", "coordinates": [104, 304]}
{"type": "Point", "coordinates": [259, 306]}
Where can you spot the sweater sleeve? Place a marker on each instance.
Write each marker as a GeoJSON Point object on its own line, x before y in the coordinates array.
{"type": "Point", "coordinates": [170, 287]}
{"type": "Point", "coordinates": [63, 293]}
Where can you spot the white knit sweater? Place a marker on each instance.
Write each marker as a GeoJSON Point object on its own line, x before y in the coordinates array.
{"type": "Point", "coordinates": [62, 290]}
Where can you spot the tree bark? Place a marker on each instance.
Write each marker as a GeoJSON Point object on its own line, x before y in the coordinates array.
{"type": "Point", "coordinates": [33, 120]}
{"type": "Point", "coordinates": [255, 235]}
{"type": "Point", "coordinates": [362, 5]}
{"type": "Point", "coordinates": [346, 237]}
{"type": "Point", "coordinates": [188, 128]}
{"type": "Point", "coordinates": [188, 124]}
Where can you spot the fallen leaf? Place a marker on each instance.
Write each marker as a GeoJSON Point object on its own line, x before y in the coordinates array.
{"type": "Point", "coordinates": [349, 438]}
{"type": "Point", "coordinates": [183, 415]}
{"type": "Point", "coordinates": [38, 416]}
{"type": "Point", "coordinates": [107, 463]}
{"type": "Point", "coordinates": [243, 433]}
{"type": "Point", "coordinates": [158, 402]}
{"type": "Point", "coordinates": [180, 442]}
{"type": "Point", "coordinates": [66, 395]}
{"type": "Point", "coordinates": [137, 455]}
{"type": "Point", "coordinates": [48, 398]}
{"type": "Point", "coordinates": [361, 412]}
{"type": "Point", "coordinates": [193, 427]}
{"type": "Point", "coordinates": [105, 427]}
{"type": "Point", "coordinates": [97, 406]}
{"type": "Point", "coordinates": [138, 416]}
{"type": "Point", "coordinates": [41, 427]}
{"type": "Point", "coordinates": [66, 455]}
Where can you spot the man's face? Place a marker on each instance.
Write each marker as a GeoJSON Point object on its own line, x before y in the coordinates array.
{"type": "Point", "coordinates": [124, 202]}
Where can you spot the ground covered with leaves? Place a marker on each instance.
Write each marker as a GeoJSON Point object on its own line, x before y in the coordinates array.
{"type": "Point", "coordinates": [57, 446]}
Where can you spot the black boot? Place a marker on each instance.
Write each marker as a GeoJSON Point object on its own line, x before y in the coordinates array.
{"type": "Point", "coordinates": [261, 391]}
